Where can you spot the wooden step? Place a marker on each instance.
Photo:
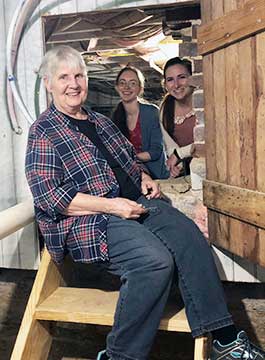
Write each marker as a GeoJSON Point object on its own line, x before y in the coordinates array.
{"type": "Point", "coordinates": [93, 306]}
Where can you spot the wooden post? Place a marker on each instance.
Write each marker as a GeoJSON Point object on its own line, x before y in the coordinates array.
{"type": "Point", "coordinates": [201, 348]}
{"type": "Point", "coordinates": [34, 339]}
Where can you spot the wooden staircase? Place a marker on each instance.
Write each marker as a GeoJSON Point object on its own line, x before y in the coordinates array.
{"type": "Point", "coordinates": [51, 300]}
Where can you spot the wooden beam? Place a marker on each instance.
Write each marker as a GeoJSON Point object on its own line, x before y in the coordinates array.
{"type": "Point", "coordinates": [236, 25]}
{"type": "Point", "coordinates": [243, 204]}
{"type": "Point", "coordinates": [34, 339]}
{"type": "Point", "coordinates": [15, 218]}
{"type": "Point", "coordinates": [93, 306]}
{"type": "Point", "coordinates": [201, 345]}
{"type": "Point", "coordinates": [187, 13]}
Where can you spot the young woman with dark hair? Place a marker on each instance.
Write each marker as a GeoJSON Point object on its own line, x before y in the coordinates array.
{"type": "Point", "coordinates": [177, 115]}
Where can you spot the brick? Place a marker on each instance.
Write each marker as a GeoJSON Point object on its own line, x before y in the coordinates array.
{"type": "Point", "coordinates": [188, 49]}
{"type": "Point", "coordinates": [200, 116]}
{"type": "Point", "coordinates": [194, 31]}
{"type": "Point", "coordinates": [198, 100]}
{"type": "Point", "coordinates": [197, 80]}
{"type": "Point", "coordinates": [197, 66]}
{"type": "Point", "coordinates": [187, 32]}
{"type": "Point", "coordinates": [198, 133]}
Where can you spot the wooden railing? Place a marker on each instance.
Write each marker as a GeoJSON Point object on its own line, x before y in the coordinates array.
{"type": "Point", "coordinates": [15, 218]}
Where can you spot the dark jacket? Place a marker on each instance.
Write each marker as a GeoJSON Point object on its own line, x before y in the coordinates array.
{"type": "Point", "coordinates": [152, 141]}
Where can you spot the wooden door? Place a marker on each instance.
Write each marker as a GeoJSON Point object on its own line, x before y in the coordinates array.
{"type": "Point", "coordinates": [232, 42]}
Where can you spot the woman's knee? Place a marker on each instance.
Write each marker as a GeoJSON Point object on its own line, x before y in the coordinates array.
{"type": "Point", "coordinates": [161, 265]}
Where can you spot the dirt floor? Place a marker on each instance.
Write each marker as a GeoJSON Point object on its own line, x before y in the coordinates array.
{"type": "Point", "coordinates": [246, 303]}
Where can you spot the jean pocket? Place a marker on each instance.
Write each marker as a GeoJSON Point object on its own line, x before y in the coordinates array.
{"type": "Point", "coordinates": [152, 209]}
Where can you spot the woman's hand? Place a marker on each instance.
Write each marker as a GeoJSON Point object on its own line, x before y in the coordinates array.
{"type": "Point", "coordinates": [175, 171]}
{"type": "Point", "coordinates": [172, 165]}
{"type": "Point", "coordinates": [172, 160]}
{"type": "Point", "coordinates": [143, 156]}
{"type": "Point", "coordinates": [126, 209]}
{"type": "Point", "coordinates": [150, 188]}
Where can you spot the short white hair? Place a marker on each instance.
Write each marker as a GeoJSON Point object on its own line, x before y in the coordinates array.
{"type": "Point", "coordinates": [54, 57]}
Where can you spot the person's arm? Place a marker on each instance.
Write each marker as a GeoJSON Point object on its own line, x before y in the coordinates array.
{"type": "Point", "coordinates": [151, 133]}
{"type": "Point", "coordinates": [44, 172]}
{"type": "Point", "coordinates": [85, 204]}
{"type": "Point", "coordinates": [45, 175]}
{"type": "Point", "coordinates": [144, 156]}
{"type": "Point", "coordinates": [172, 159]}
{"type": "Point", "coordinates": [171, 145]}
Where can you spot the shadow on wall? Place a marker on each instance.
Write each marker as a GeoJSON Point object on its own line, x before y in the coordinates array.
{"type": "Point", "coordinates": [234, 268]}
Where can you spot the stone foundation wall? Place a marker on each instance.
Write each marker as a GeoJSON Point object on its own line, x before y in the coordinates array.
{"type": "Point", "coordinates": [189, 201]}
{"type": "Point", "coordinates": [188, 49]}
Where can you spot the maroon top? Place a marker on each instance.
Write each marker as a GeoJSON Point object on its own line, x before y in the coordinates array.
{"type": "Point", "coordinates": [135, 136]}
{"type": "Point", "coordinates": [183, 133]}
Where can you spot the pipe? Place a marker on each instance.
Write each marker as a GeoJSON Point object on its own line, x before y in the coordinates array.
{"type": "Point", "coordinates": [13, 39]}
{"type": "Point", "coordinates": [16, 217]}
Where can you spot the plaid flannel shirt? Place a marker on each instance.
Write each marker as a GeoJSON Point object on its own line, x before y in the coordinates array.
{"type": "Point", "coordinates": [61, 161]}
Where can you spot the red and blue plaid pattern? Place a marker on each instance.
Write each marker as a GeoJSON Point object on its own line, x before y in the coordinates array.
{"type": "Point", "coordinates": [60, 161]}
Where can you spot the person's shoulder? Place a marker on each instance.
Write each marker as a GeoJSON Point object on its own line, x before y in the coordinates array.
{"type": "Point", "coordinates": [46, 124]}
{"type": "Point", "coordinates": [98, 116]}
{"type": "Point", "coordinates": [149, 112]}
{"type": "Point", "coordinates": [42, 121]}
{"type": "Point", "coordinates": [149, 106]}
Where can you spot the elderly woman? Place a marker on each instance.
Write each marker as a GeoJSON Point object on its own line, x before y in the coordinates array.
{"type": "Point", "coordinates": [94, 202]}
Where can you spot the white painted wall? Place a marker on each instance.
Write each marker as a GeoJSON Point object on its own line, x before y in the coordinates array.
{"type": "Point", "coordinates": [21, 249]}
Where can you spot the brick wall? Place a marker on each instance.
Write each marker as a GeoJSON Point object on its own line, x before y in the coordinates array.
{"type": "Point", "coordinates": [188, 49]}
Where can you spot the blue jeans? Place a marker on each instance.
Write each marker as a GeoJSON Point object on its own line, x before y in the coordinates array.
{"type": "Point", "coordinates": [146, 255]}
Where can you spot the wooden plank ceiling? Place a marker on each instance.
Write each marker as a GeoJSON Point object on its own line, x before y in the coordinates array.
{"type": "Point", "coordinates": [113, 38]}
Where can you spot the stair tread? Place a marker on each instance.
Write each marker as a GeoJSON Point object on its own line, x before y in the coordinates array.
{"type": "Point", "coordinates": [94, 306]}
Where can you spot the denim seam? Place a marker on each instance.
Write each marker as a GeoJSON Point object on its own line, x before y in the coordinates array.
{"type": "Point", "coordinates": [120, 310]}
{"type": "Point", "coordinates": [212, 326]}
{"type": "Point", "coordinates": [209, 324]}
{"type": "Point", "coordinates": [189, 295]}
{"type": "Point", "coordinates": [118, 356]}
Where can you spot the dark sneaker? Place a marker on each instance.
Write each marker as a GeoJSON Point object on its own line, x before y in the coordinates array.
{"type": "Point", "coordinates": [241, 348]}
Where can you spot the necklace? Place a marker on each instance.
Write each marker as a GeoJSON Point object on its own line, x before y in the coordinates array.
{"type": "Point", "coordinates": [181, 118]}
